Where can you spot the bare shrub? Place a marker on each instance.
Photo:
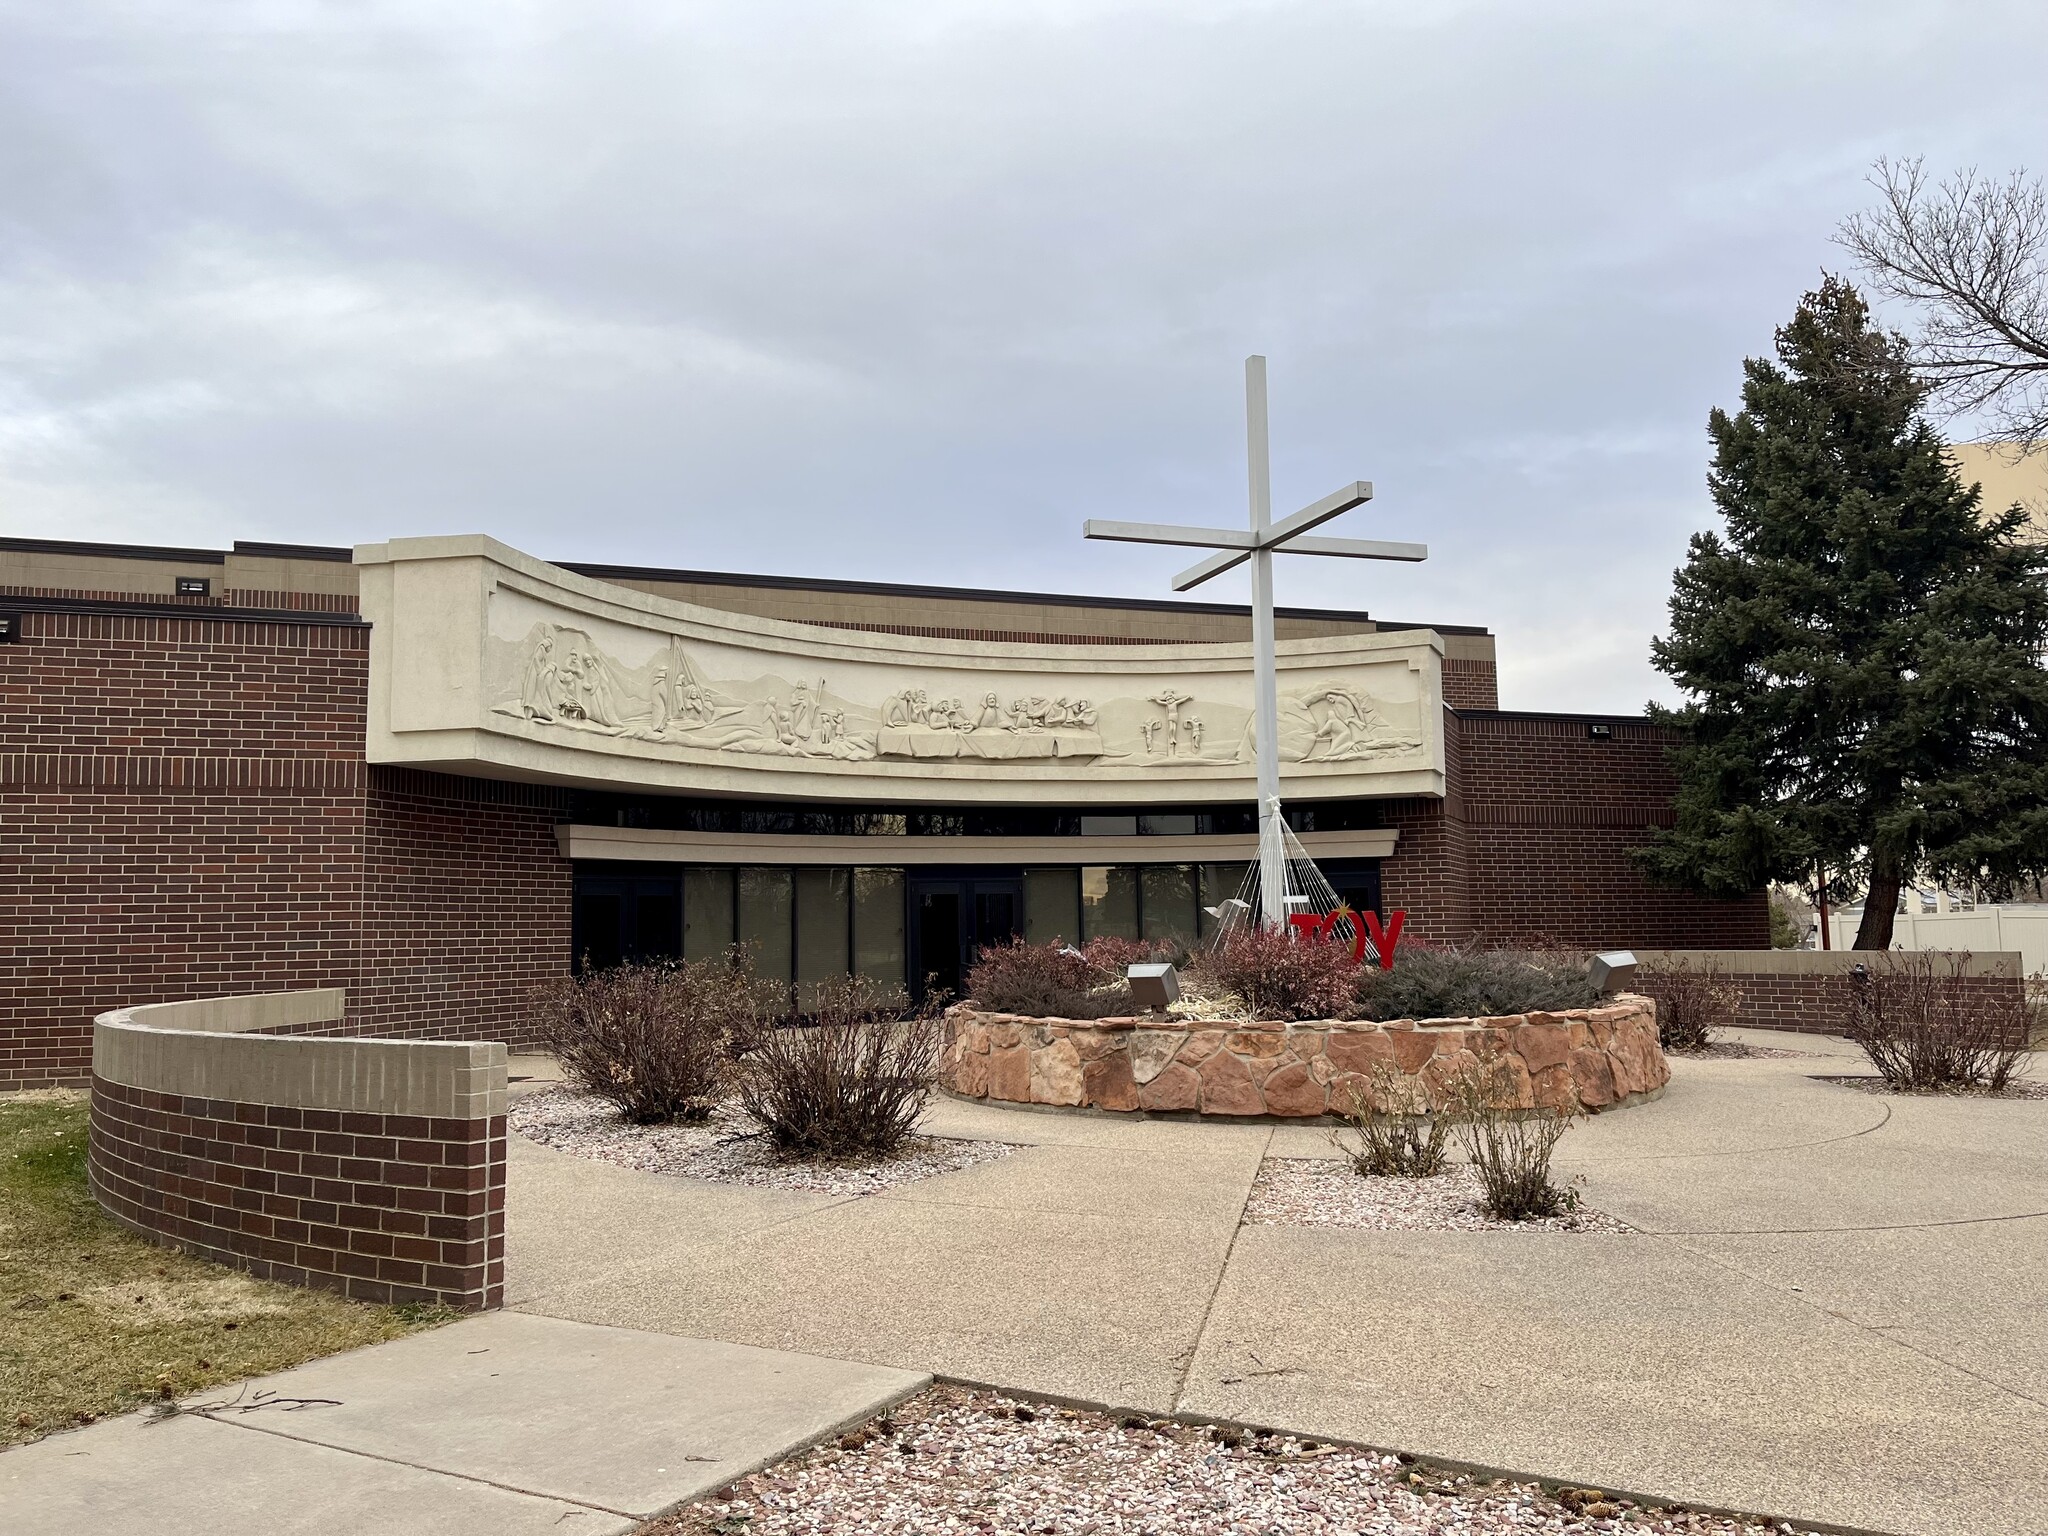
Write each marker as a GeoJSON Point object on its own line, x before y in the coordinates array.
{"type": "Point", "coordinates": [1926, 1026]}
{"type": "Point", "coordinates": [1691, 1001]}
{"type": "Point", "coordinates": [1511, 1150]}
{"type": "Point", "coordinates": [1454, 983]}
{"type": "Point", "coordinates": [1278, 975]}
{"type": "Point", "coordinates": [1389, 1132]}
{"type": "Point", "coordinates": [656, 1040]}
{"type": "Point", "coordinates": [1058, 981]}
{"type": "Point", "coordinates": [849, 1082]}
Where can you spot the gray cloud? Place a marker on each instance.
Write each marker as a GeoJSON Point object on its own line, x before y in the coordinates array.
{"type": "Point", "coordinates": [908, 290]}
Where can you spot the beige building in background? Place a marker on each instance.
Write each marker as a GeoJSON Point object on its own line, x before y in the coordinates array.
{"type": "Point", "coordinates": [2007, 476]}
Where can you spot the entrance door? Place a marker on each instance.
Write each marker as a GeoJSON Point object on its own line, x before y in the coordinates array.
{"type": "Point", "coordinates": [952, 916]}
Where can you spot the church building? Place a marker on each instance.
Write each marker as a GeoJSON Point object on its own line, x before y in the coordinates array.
{"type": "Point", "coordinates": [438, 772]}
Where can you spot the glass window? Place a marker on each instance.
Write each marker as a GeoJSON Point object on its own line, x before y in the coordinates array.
{"type": "Point", "coordinates": [707, 913]}
{"type": "Point", "coordinates": [765, 901]}
{"type": "Point", "coordinates": [1167, 825]}
{"type": "Point", "coordinates": [1168, 908]}
{"type": "Point", "coordinates": [878, 924]}
{"type": "Point", "coordinates": [1052, 906]}
{"type": "Point", "coordinates": [823, 936]}
{"type": "Point", "coordinates": [1109, 901]}
{"type": "Point", "coordinates": [1109, 826]}
{"type": "Point", "coordinates": [1220, 882]}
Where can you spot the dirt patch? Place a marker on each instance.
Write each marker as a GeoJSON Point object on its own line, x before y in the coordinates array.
{"type": "Point", "coordinates": [2025, 1088]}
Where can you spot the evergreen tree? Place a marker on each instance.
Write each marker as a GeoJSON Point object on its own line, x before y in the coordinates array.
{"type": "Point", "coordinates": [1862, 653]}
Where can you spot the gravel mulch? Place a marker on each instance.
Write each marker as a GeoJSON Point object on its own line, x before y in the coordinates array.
{"type": "Point", "coordinates": [1735, 1050]}
{"type": "Point", "coordinates": [1323, 1192]}
{"type": "Point", "coordinates": [725, 1149]}
{"type": "Point", "coordinates": [2024, 1088]}
{"type": "Point", "coordinates": [959, 1460]}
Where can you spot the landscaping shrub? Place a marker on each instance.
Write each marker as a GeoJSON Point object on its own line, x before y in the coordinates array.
{"type": "Point", "coordinates": [848, 1083]}
{"type": "Point", "coordinates": [1452, 983]}
{"type": "Point", "coordinates": [1691, 1000]}
{"type": "Point", "coordinates": [1511, 1150]}
{"type": "Point", "coordinates": [656, 1040]}
{"type": "Point", "coordinates": [1277, 975]}
{"type": "Point", "coordinates": [1057, 981]}
{"type": "Point", "coordinates": [1924, 1025]}
{"type": "Point", "coordinates": [1392, 1134]}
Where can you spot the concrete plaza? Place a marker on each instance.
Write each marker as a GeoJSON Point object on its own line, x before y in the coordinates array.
{"type": "Point", "coordinates": [1834, 1307]}
{"type": "Point", "coordinates": [1831, 1309]}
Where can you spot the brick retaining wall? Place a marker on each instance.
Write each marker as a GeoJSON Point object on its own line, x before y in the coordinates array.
{"type": "Point", "coordinates": [375, 1168]}
{"type": "Point", "coordinates": [1807, 991]}
{"type": "Point", "coordinates": [383, 1208]}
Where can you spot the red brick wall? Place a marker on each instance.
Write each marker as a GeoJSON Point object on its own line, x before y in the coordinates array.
{"type": "Point", "coordinates": [1531, 842]}
{"type": "Point", "coordinates": [385, 1208]}
{"type": "Point", "coordinates": [1819, 1005]}
{"type": "Point", "coordinates": [187, 813]}
{"type": "Point", "coordinates": [466, 906]}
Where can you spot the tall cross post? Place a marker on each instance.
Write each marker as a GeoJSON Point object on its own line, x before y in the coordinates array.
{"type": "Point", "coordinates": [1258, 546]}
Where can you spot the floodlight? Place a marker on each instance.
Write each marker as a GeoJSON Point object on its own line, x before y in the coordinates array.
{"type": "Point", "coordinates": [1153, 987]}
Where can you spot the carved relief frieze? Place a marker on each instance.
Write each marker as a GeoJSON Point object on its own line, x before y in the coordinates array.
{"type": "Point", "coordinates": [571, 664]}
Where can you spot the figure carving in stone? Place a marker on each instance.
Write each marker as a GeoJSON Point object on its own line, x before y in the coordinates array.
{"type": "Point", "coordinates": [1081, 715]}
{"type": "Point", "coordinates": [991, 714]}
{"type": "Point", "coordinates": [1171, 700]}
{"type": "Point", "coordinates": [1194, 724]}
{"type": "Point", "coordinates": [536, 683]}
{"type": "Point", "coordinates": [802, 709]}
{"type": "Point", "coordinates": [1145, 729]}
{"type": "Point", "coordinates": [657, 721]}
{"type": "Point", "coordinates": [1347, 724]}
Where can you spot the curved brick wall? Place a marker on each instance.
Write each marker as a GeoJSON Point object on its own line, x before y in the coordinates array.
{"type": "Point", "coordinates": [375, 1168]}
{"type": "Point", "coordinates": [1586, 1058]}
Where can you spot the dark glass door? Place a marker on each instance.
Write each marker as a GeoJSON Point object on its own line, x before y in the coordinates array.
{"type": "Point", "coordinates": [625, 920]}
{"type": "Point", "coordinates": [952, 917]}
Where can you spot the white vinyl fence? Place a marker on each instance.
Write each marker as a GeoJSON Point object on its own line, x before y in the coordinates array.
{"type": "Point", "coordinates": [1986, 930]}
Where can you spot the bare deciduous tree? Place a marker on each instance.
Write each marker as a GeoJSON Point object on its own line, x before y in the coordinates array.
{"type": "Point", "coordinates": [1971, 253]}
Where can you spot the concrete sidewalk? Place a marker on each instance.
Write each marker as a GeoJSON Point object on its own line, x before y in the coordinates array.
{"type": "Point", "coordinates": [495, 1426]}
{"type": "Point", "coordinates": [1831, 1309]}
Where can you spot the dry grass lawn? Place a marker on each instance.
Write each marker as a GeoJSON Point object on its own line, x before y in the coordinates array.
{"type": "Point", "coordinates": [95, 1321]}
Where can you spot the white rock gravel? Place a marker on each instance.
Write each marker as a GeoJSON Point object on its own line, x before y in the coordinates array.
{"type": "Point", "coordinates": [1324, 1192]}
{"type": "Point", "coordinates": [725, 1149]}
{"type": "Point", "coordinates": [2018, 1088]}
{"type": "Point", "coordinates": [960, 1460]}
{"type": "Point", "coordinates": [1735, 1050]}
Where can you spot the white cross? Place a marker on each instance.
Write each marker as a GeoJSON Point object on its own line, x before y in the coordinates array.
{"type": "Point", "coordinates": [1258, 546]}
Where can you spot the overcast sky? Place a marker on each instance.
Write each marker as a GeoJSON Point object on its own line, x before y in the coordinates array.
{"type": "Point", "coordinates": [905, 291]}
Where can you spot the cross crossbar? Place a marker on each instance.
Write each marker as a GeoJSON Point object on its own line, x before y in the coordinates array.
{"type": "Point", "coordinates": [1258, 544]}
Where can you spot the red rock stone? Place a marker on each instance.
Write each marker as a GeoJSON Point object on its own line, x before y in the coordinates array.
{"type": "Point", "coordinates": [1176, 1087]}
{"type": "Point", "coordinates": [1355, 1052]}
{"type": "Point", "coordinates": [1092, 1043]}
{"type": "Point", "coordinates": [1106, 1082]}
{"type": "Point", "coordinates": [1227, 1087]}
{"type": "Point", "coordinates": [971, 1077]}
{"type": "Point", "coordinates": [1593, 1075]}
{"type": "Point", "coordinates": [1542, 1045]}
{"type": "Point", "coordinates": [1056, 1074]}
{"type": "Point", "coordinates": [1255, 1042]}
{"type": "Point", "coordinates": [1412, 1048]}
{"type": "Point", "coordinates": [1201, 1045]}
{"type": "Point", "coordinates": [1002, 1036]}
{"type": "Point", "coordinates": [1555, 1088]}
{"type": "Point", "coordinates": [1347, 1089]}
{"type": "Point", "coordinates": [1291, 1091]}
{"type": "Point", "coordinates": [1009, 1075]}
{"type": "Point", "coordinates": [1151, 1050]}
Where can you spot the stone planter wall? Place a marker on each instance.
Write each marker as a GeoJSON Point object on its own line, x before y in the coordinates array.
{"type": "Point", "coordinates": [1583, 1059]}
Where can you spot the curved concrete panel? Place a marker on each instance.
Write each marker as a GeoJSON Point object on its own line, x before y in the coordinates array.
{"type": "Point", "coordinates": [486, 661]}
